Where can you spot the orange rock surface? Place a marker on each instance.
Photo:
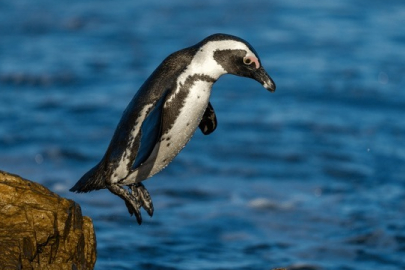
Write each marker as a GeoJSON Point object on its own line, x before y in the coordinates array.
{"type": "Point", "coordinates": [41, 230]}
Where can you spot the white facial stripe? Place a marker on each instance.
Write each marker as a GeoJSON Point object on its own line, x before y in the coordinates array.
{"type": "Point", "coordinates": [204, 63]}
{"type": "Point", "coordinates": [226, 45]}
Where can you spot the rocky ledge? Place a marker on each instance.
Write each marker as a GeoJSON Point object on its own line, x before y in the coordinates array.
{"type": "Point", "coordinates": [41, 230]}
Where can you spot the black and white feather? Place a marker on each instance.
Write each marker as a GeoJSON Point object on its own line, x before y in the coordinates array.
{"type": "Point", "coordinates": [164, 114]}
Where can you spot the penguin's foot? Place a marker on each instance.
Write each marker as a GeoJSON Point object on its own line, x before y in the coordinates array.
{"type": "Point", "coordinates": [139, 191]}
{"type": "Point", "coordinates": [135, 198]}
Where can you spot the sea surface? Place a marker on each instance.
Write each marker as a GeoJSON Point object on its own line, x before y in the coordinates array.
{"type": "Point", "coordinates": [309, 177]}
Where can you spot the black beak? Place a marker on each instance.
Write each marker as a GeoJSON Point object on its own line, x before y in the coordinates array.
{"type": "Point", "coordinates": [262, 77]}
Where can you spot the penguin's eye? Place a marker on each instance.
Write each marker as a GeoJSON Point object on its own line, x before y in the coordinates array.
{"type": "Point", "coordinates": [247, 61]}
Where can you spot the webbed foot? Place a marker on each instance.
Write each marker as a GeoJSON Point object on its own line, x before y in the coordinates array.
{"type": "Point", "coordinates": [136, 197]}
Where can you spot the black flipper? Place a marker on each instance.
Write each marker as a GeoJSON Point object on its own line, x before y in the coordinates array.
{"type": "Point", "coordinates": [150, 132]}
{"type": "Point", "coordinates": [209, 120]}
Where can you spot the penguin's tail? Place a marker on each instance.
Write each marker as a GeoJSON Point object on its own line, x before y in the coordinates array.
{"type": "Point", "coordinates": [92, 180]}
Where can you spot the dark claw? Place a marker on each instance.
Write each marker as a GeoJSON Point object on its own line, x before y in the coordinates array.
{"type": "Point", "coordinates": [131, 201]}
{"type": "Point", "coordinates": [136, 197]}
{"type": "Point", "coordinates": [142, 195]}
{"type": "Point", "coordinates": [134, 210]}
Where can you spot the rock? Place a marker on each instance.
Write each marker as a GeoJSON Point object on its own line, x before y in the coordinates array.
{"type": "Point", "coordinates": [41, 230]}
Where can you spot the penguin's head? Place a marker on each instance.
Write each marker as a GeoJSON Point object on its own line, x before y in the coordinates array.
{"type": "Point", "coordinates": [236, 56]}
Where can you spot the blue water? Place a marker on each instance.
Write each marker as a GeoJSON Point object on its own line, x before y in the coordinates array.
{"type": "Point", "coordinates": [310, 177]}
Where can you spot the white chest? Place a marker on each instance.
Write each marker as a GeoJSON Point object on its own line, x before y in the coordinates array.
{"type": "Point", "coordinates": [191, 111]}
{"type": "Point", "coordinates": [186, 122]}
{"type": "Point", "coordinates": [183, 128]}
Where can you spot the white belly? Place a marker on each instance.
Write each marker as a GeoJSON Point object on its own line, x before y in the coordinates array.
{"type": "Point", "coordinates": [172, 142]}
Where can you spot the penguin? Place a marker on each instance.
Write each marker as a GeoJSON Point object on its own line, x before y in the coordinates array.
{"type": "Point", "coordinates": [164, 114]}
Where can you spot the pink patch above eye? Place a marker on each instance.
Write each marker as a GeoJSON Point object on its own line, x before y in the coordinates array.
{"type": "Point", "coordinates": [254, 60]}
